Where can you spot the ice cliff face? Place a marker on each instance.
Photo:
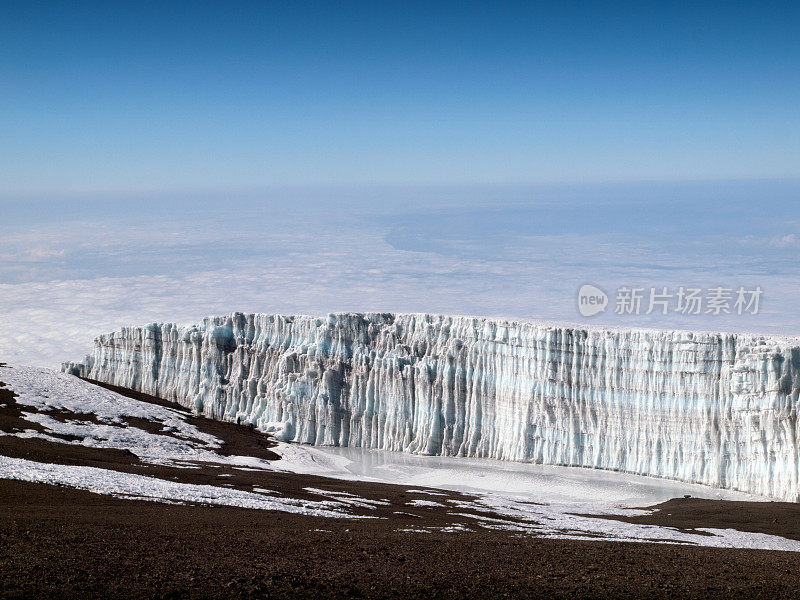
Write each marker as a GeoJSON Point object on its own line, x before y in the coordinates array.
{"type": "Point", "coordinates": [717, 409]}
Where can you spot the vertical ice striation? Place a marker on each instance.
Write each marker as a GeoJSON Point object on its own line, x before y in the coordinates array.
{"type": "Point", "coordinates": [717, 409]}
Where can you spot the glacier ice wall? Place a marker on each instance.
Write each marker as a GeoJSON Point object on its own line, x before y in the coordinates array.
{"type": "Point", "coordinates": [717, 409]}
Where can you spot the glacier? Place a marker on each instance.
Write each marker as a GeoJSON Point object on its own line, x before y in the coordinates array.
{"type": "Point", "coordinates": [718, 409]}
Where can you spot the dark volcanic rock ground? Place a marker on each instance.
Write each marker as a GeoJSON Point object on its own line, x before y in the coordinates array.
{"type": "Point", "coordinates": [61, 542]}
{"type": "Point", "coordinates": [58, 542]}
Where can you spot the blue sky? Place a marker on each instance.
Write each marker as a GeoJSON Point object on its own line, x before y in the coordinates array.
{"type": "Point", "coordinates": [157, 95]}
{"type": "Point", "coordinates": [168, 161]}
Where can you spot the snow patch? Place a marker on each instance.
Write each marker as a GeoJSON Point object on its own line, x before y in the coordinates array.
{"type": "Point", "coordinates": [141, 487]}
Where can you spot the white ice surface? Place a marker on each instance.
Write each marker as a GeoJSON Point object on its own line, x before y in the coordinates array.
{"type": "Point", "coordinates": [537, 499]}
{"type": "Point", "coordinates": [476, 475]}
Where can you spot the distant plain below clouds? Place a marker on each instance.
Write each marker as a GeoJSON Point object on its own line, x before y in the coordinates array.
{"type": "Point", "coordinates": [71, 269]}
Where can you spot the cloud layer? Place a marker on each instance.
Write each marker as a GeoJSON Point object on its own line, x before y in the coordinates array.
{"type": "Point", "coordinates": [65, 281]}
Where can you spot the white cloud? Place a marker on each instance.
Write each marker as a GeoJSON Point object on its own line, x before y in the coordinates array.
{"type": "Point", "coordinates": [787, 241]}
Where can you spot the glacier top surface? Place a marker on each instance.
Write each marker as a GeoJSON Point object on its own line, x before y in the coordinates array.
{"type": "Point", "coordinates": [504, 321]}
